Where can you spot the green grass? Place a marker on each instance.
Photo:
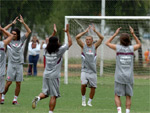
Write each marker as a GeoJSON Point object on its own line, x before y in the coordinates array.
{"type": "Point", "coordinates": [70, 100]}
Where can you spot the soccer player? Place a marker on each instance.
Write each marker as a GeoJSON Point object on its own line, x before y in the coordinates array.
{"type": "Point", "coordinates": [3, 58]}
{"type": "Point", "coordinates": [44, 44]}
{"type": "Point", "coordinates": [88, 71]}
{"type": "Point", "coordinates": [53, 54]}
{"type": "Point", "coordinates": [15, 59]}
{"type": "Point", "coordinates": [124, 67]}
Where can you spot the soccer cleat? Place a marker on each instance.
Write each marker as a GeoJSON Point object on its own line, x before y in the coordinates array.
{"type": "Point", "coordinates": [83, 103]}
{"type": "Point", "coordinates": [89, 104]}
{"type": "Point", "coordinates": [34, 102]}
{"type": "Point", "coordinates": [2, 101]}
{"type": "Point", "coordinates": [15, 103]}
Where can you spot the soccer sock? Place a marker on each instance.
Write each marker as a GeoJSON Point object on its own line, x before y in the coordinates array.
{"type": "Point", "coordinates": [119, 109]}
{"type": "Point", "coordinates": [50, 111]}
{"type": "Point", "coordinates": [38, 98]}
{"type": "Point", "coordinates": [3, 96]}
{"type": "Point", "coordinates": [90, 100]}
{"type": "Point", "coordinates": [83, 97]}
{"type": "Point", "coordinates": [15, 98]}
{"type": "Point", "coordinates": [127, 110]}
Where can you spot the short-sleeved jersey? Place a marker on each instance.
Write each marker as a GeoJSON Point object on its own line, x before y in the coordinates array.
{"type": "Point", "coordinates": [89, 59]}
{"type": "Point", "coordinates": [124, 64]}
{"type": "Point", "coordinates": [2, 59]}
{"type": "Point", "coordinates": [53, 62]}
{"type": "Point", "coordinates": [15, 51]}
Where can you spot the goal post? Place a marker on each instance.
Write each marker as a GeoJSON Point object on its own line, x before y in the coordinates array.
{"type": "Point", "coordinates": [106, 25]}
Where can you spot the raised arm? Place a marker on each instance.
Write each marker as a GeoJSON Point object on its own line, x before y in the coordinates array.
{"type": "Point", "coordinates": [21, 20]}
{"type": "Point", "coordinates": [79, 41]}
{"type": "Point", "coordinates": [9, 25]}
{"type": "Point", "coordinates": [97, 44]}
{"type": "Point", "coordinates": [42, 45]}
{"type": "Point", "coordinates": [68, 35]}
{"type": "Point", "coordinates": [55, 31]}
{"type": "Point", "coordinates": [9, 36]}
{"type": "Point", "coordinates": [138, 43]}
{"type": "Point", "coordinates": [108, 42]}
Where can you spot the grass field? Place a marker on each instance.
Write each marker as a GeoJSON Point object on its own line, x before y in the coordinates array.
{"type": "Point", "coordinates": [70, 101]}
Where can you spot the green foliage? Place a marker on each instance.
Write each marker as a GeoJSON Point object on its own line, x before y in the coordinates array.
{"type": "Point", "coordinates": [127, 7]}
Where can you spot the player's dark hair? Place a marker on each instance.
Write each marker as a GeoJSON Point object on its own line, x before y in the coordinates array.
{"type": "Point", "coordinates": [125, 39]}
{"type": "Point", "coordinates": [53, 45]}
{"type": "Point", "coordinates": [17, 31]}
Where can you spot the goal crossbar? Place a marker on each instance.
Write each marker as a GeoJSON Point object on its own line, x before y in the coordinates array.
{"type": "Point", "coordinates": [109, 17]}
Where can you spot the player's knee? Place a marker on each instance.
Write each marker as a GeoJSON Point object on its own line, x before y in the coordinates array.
{"type": "Point", "coordinates": [18, 84]}
{"type": "Point", "coordinates": [9, 83]}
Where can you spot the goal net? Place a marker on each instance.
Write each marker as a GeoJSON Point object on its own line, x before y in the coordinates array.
{"type": "Point", "coordinates": [106, 57]}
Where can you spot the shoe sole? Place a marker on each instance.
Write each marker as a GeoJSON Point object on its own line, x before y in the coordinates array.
{"type": "Point", "coordinates": [83, 105]}
{"type": "Point", "coordinates": [15, 103]}
{"type": "Point", "coordinates": [34, 103]}
{"type": "Point", "coordinates": [90, 105]}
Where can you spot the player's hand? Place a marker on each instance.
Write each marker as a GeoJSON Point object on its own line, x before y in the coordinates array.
{"type": "Point", "coordinates": [67, 28]}
{"type": "Point", "coordinates": [87, 30]}
{"type": "Point", "coordinates": [0, 27]}
{"type": "Point", "coordinates": [55, 29]}
{"type": "Point", "coordinates": [131, 30]}
{"type": "Point", "coordinates": [21, 20]}
{"type": "Point", "coordinates": [117, 31]}
{"type": "Point", "coordinates": [93, 27]}
{"type": "Point", "coordinates": [15, 21]}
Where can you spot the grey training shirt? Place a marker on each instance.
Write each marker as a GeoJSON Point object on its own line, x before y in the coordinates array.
{"type": "Point", "coordinates": [15, 51]}
{"type": "Point", "coordinates": [88, 59]}
{"type": "Point", "coordinates": [53, 62]}
{"type": "Point", "coordinates": [124, 64]}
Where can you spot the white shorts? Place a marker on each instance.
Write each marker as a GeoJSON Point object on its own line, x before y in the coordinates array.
{"type": "Point", "coordinates": [89, 79]}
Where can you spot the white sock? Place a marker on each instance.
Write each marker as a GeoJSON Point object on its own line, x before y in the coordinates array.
{"type": "Point", "coordinates": [90, 100]}
{"type": "Point", "coordinates": [3, 96]}
{"type": "Point", "coordinates": [127, 110]}
{"type": "Point", "coordinates": [83, 97]}
{"type": "Point", "coordinates": [119, 109]}
{"type": "Point", "coordinates": [39, 98]}
{"type": "Point", "coordinates": [50, 111]}
{"type": "Point", "coordinates": [15, 98]}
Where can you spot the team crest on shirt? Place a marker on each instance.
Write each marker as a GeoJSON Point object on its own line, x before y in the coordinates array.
{"type": "Point", "coordinates": [89, 52]}
{"type": "Point", "coordinates": [8, 77]}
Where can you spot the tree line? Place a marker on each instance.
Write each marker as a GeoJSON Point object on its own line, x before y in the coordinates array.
{"type": "Point", "coordinates": [40, 15]}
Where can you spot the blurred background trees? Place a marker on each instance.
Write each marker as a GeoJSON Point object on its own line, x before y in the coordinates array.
{"type": "Point", "coordinates": [40, 15]}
